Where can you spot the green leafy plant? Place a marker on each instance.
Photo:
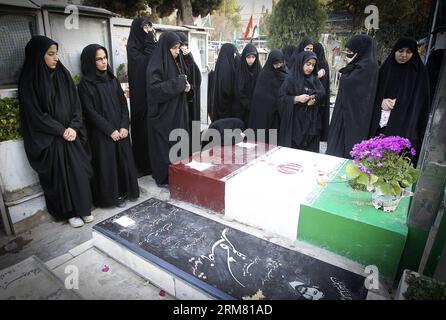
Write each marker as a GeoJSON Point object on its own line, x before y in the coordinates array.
{"type": "Point", "coordinates": [383, 162]}
{"type": "Point", "coordinates": [121, 73]}
{"type": "Point", "coordinates": [9, 119]}
{"type": "Point", "coordinates": [424, 289]}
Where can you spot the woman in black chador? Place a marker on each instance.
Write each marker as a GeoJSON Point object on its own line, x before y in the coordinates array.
{"type": "Point", "coordinates": [167, 87]}
{"type": "Point", "coordinates": [264, 112]}
{"type": "Point", "coordinates": [51, 121]}
{"type": "Point", "coordinates": [288, 52]}
{"type": "Point", "coordinates": [324, 77]}
{"type": "Point", "coordinates": [246, 81]}
{"type": "Point", "coordinates": [107, 119]}
{"type": "Point", "coordinates": [140, 46]}
{"type": "Point", "coordinates": [299, 103]}
{"type": "Point", "coordinates": [224, 83]}
{"type": "Point", "coordinates": [194, 78]}
{"type": "Point", "coordinates": [305, 45]}
{"type": "Point", "coordinates": [402, 99]}
{"type": "Point", "coordinates": [352, 115]}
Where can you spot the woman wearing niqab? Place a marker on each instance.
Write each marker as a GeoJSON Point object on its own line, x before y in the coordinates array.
{"type": "Point", "coordinates": [264, 112]}
{"type": "Point", "coordinates": [224, 96]}
{"type": "Point", "coordinates": [352, 114]}
{"type": "Point", "coordinates": [140, 47]}
{"type": "Point", "coordinates": [51, 121]}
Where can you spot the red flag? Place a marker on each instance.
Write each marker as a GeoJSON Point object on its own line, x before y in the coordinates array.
{"type": "Point", "coordinates": [248, 28]}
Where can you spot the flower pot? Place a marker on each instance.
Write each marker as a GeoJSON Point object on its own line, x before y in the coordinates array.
{"type": "Point", "coordinates": [387, 203]}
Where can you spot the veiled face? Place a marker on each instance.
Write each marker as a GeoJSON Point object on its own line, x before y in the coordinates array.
{"type": "Point", "coordinates": [250, 59]}
{"type": "Point", "coordinates": [403, 55]}
{"type": "Point", "coordinates": [278, 65]}
{"type": "Point", "coordinates": [101, 60]}
{"type": "Point", "coordinates": [50, 57]}
{"type": "Point", "coordinates": [175, 50]}
{"type": "Point", "coordinates": [309, 66]}
{"type": "Point", "coordinates": [309, 47]}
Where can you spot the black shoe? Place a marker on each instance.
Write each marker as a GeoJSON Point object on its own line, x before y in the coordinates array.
{"type": "Point", "coordinates": [133, 199]}
{"type": "Point", "coordinates": [121, 202]}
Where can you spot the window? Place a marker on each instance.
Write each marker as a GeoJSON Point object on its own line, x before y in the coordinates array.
{"type": "Point", "coordinates": [73, 41]}
{"type": "Point", "coordinates": [198, 48]}
{"type": "Point", "coordinates": [15, 32]}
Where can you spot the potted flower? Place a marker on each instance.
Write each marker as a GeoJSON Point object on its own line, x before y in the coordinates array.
{"type": "Point", "coordinates": [382, 164]}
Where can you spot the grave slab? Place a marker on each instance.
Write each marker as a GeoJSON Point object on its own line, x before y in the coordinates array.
{"type": "Point", "coordinates": [220, 261]}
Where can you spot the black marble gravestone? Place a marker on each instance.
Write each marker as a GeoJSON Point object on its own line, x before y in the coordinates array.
{"type": "Point", "coordinates": [224, 262]}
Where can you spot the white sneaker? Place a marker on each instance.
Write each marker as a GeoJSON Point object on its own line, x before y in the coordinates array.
{"type": "Point", "coordinates": [76, 222]}
{"type": "Point", "coordinates": [88, 219]}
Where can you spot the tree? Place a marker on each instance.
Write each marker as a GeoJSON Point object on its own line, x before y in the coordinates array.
{"type": "Point", "coordinates": [293, 20]}
{"type": "Point", "coordinates": [396, 19]}
{"type": "Point", "coordinates": [128, 8]}
{"type": "Point", "coordinates": [187, 9]}
{"type": "Point", "coordinates": [226, 20]}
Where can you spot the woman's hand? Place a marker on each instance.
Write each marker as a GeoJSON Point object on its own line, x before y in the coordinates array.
{"type": "Point", "coordinates": [303, 98]}
{"type": "Point", "coordinates": [70, 134]}
{"type": "Point", "coordinates": [321, 73]}
{"type": "Point", "coordinates": [188, 87]}
{"type": "Point", "coordinates": [115, 135]}
{"type": "Point", "coordinates": [123, 133]}
{"type": "Point", "coordinates": [388, 104]}
{"type": "Point", "coordinates": [312, 101]}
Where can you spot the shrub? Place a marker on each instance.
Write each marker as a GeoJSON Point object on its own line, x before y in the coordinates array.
{"type": "Point", "coordinates": [9, 119]}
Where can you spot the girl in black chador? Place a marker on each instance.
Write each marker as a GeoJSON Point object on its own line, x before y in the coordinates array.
{"type": "Point", "coordinates": [107, 119]}
{"type": "Point", "coordinates": [246, 81]}
{"type": "Point", "coordinates": [300, 97]}
{"type": "Point", "coordinates": [264, 112]}
{"type": "Point", "coordinates": [223, 93]}
{"type": "Point", "coordinates": [194, 78]}
{"type": "Point", "coordinates": [51, 123]}
{"type": "Point", "coordinates": [167, 87]}
{"type": "Point", "coordinates": [324, 77]}
{"type": "Point", "coordinates": [402, 99]}
{"type": "Point", "coordinates": [140, 46]}
{"type": "Point", "coordinates": [352, 115]}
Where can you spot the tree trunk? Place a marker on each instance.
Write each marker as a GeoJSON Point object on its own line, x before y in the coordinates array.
{"type": "Point", "coordinates": [185, 13]}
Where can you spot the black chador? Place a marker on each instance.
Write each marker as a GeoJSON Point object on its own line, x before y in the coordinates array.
{"type": "Point", "coordinates": [107, 117]}
{"type": "Point", "coordinates": [167, 103]}
{"type": "Point", "coordinates": [246, 81]}
{"type": "Point", "coordinates": [264, 112]}
{"type": "Point", "coordinates": [288, 52]}
{"type": "Point", "coordinates": [352, 115]}
{"type": "Point", "coordinates": [140, 46]}
{"type": "Point", "coordinates": [194, 78]}
{"type": "Point", "coordinates": [49, 106]}
{"type": "Point", "coordinates": [408, 83]}
{"type": "Point", "coordinates": [322, 64]}
{"type": "Point", "coordinates": [305, 42]}
{"type": "Point", "coordinates": [298, 107]}
{"type": "Point", "coordinates": [224, 83]}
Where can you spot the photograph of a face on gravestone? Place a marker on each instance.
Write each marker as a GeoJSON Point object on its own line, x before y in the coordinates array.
{"type": "Point", "coordinates": [224, 262]}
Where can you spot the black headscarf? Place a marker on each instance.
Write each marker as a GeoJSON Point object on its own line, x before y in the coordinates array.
{"type": "Point", "coordinates": [224, 83]}
{"type": "Point", "coordinates": [88, 64]}
{"type": "Point", "coordinates": [264, 113]}
{"type": "Point", "coordinates": [194, 78]}
{"type": "Point", "coordinates": [409, 84]}
{"type": "Point", "coordinates": [140, 47]}
{"type": "Point", "coordinates": [305, 42]}
{"type": "Point", "coordinates": [355, 100]}
{"type": "Point", "coordinates": [49, 104]}
{"type": "Point", "coordinates": [325, 80]}
{"type": "Point", "coordinates": [288, 53]}
{"type": "Point", "coordinates": [166, 103]}
{"type": "Point", "coordinates": [44, 92]}
{"type": "Point", "coordinates": [299, 122]}
{"type": "Point", "coordinates": [246, 82]}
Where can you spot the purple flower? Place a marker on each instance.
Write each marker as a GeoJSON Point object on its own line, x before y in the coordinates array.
{"type": "Point", "coordinates": [413, 151]}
